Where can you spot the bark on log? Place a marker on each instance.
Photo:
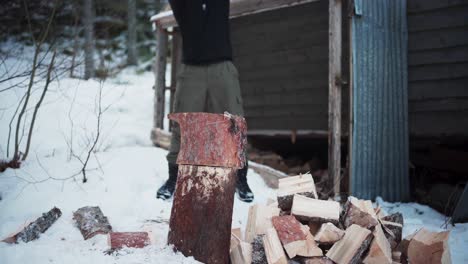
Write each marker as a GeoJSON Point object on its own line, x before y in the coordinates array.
{"type": "Point", "coordinates": [290, 234]}
{"type": "Point", "coordinates": [329, 234]}
{"type": "Point", "coordinates": [380, 251]}
{"type": "Point", "coordinates": [351, 247]}
{"type": "Point", "coordinates": [200, 223]}
{"type": "Point", "coordinates": [359, 212]}
{"type": "Point", "coordinates": [33, 230]}
{"type": "Point", "coordinates": [118, 240]}
{"type": "Point", "coordinates": [313, 210]}
{"type": "Point", "coordinates": [393, 228]}
{"type": "Point", "coordinates": [258, 250]}
{"type": "Point", "coordinates": [287, 187]}
{"type": "Point", "coordinates": [91, 221]}
{"type": "Point", "coordinates": [429, 247]}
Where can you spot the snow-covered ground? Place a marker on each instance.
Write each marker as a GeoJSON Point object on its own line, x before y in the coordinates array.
{"type": "Point", "coordinates": [124, 174]}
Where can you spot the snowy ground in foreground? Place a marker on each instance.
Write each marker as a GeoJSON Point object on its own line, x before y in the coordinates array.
{"type": "Point", "coordinates": [124, 176]}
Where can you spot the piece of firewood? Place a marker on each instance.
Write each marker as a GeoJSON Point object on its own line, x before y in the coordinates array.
{"type": "Point", "coordinates": [259, 220]}
{"type": "Point", "coordinates": [258, 250]}
{"type": "Point", "coordinates": [118, 240]}
{"type": "Point", "coordinates": [360, 212]}
{"type": "Point", "coordinates": [314, 210]}
{"type": "Point", "coordinates": [380, 251]}
{"type": "Point", "coordinates": [403, 247]}
{"type": "Point", "coordinates": [235, 238]}
{"type": "Point", "coordinates": [329, 234]}
{"type": "Point", "coordinates": [290, 233]}
{"type": "Point", "coordinates": [393, 228]}
{"type": "Point", "coordinates": [311, 248]}
{"type": "Point", "coordinates": [316, 260]}
{"type": "Point", "coordinates": [351, 247]}
{"type": "Point", "coordinates": [396, 256]}
{"type": "Point", "coordinates": [287, 187]}
{"type": "Point", "coordinates": [91, 221]}
{"type": "Point", "coordinates": [429, 247]}
{"type": "Point", "coordinates": [273, 250]}
{"type": "Point", "coordinates": [242, 253]}
{"type": "Point", "coordinates": [32, 230]}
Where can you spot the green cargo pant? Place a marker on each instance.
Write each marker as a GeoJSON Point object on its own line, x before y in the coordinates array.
{"type": "Point", "coordinates": [210, 88]}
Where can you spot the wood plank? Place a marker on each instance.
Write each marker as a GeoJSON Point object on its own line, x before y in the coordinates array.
{"type": "Point", "coordinates": [451, 17]}
{"type": "Point", "coordinates": [259, 220]}
{"type": "Point", "coordinates": [289, 71]}
{"type": "Point", "coordinates": [273, 249]}
{"type": "Point", "coordinates": [438, 56]}
{"type": "Point", "coordinates": [334, 95]}
{"type": "Point", "coordinates": [449, 123]}
{"type": "Point", "coordinates": [298, 122]}
{"type": "Point", "coordinates": [318, 85]}
{"type": "Point", "coordinates": [160, 74]}
{"type": "Point", "coordinates": [175, 65]}
{"type": "Point", "coordinates": [415, 6]}
{"type": "Point", "coordinates": [439, 89]}
{"type": "Point", "coordinates": [437, 39]}
{"type": "Point", "coordinates": [444, 104]}
{"type": "Point", "coordinates": [438, 71]}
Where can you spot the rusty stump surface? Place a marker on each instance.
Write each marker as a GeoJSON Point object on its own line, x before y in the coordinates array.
{"type": "Point", "coordinates": [216, 140]}
{"type": "Point", "coordinates": [200, 223]}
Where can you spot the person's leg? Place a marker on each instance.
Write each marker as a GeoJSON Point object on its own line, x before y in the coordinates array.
{"type": "Point", "coordinates": [224, 94]}
{"type": "Point", "coordinates": [190, 96]}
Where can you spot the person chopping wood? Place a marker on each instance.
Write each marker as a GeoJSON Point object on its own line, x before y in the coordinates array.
{"type": "Point", "coordinates": [208, 80]}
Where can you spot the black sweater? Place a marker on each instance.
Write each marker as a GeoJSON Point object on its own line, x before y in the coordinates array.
{"type": "Point", "coordinates": [204, 25]}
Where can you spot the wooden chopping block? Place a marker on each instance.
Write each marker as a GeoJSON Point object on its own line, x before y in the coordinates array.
{"type": "Point", "coordinates": [212, 149]}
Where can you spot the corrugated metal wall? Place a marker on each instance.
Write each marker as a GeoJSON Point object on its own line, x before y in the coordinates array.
{"type": "Point", "coordinates": [282, 58]}
{"type": "Point", "coordinates": [380, 125]}
{"type": "Point", "coordinates": [438, 67]}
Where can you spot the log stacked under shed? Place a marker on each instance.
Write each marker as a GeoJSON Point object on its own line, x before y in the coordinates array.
{"type": "Point", "coordinates": [313, 231]}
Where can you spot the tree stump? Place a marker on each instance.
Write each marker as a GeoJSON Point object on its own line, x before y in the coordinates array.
{"type": "Point", "coordinates": [212, 149]}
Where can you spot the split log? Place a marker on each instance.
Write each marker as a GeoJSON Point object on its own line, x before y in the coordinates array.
{"type": "Point", "coordinates": [429, 247]}
{"type": "Point", "coordinates": [380, 251]}
{"type": "Point", "coordinates": [329, 234]}
{"type": "Point", "coordinates": [118, 240]}
{"type": "Point", "coordinates": [259, 220]}
{"type": "Point", "coordinates": [290, 233]}
{"type": "Point", "coordinates": [241, 254]}
{"type": "Point", "coordinates": [311, 248]}
{"type": "Point", "coordinates": [236, 237]}
{"type": "Point", "coordinates": [201, 216]}
{"type": "Point", "coordinates": [393, 228]}
{"type": "Point", "coordinates": [273, 250]}
{"type": "Point", "coordinates": [396, 256]}
{"type": "Point", "coordinates": [287, 187]}
{"type": "Point", "coordinates": [258, 251]}
{"type": "Point", "coordinates": [33, 230]}
{"type": "Point", "coordinates": [352, 246]}
{"type": "Point", "coordinates": [316, 260]}
{"type": "Point", "coordinates": [313, 210]}
{"type": "Point", "coordinates": [359, 212]}
{"type": "Point", "coordinates": [403, 247]}
{"type": "Point", "coordinates": [91, 221]}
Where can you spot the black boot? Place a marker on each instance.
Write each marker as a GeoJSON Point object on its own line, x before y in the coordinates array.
{"type": "Point", "coordinates": [166, 191]}
{"type": "Point", "coordinates": [242, 188]}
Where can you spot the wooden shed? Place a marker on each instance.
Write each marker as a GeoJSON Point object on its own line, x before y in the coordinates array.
{"type": "Point", "coordinates": [304, 66]}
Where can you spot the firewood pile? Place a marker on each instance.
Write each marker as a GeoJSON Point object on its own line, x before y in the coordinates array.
{"type": "Point", "coordinates": [300, 228]}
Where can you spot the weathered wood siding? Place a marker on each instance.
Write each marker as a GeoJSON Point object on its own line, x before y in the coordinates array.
{"type": "Point", "coordinates": [438, 67]}
{"type": "Point", "coordinates": [282, 58]}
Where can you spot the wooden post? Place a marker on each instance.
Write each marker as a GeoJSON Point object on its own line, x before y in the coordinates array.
{"type": "Point", "coordinates": [334, 96]}
{"type": "Point", "coordinates": [176, 60]}
{"type": "Point", "coordinates": [160, 74]}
